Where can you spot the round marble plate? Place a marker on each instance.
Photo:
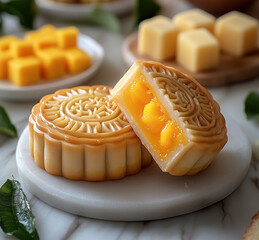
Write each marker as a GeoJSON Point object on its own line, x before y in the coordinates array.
{"type": "Point", "coordinates": [149, 195]}
{"type": "Point", "coordinates": [80, 11]}
{"type": "Point", "coordinates": [8, 91]}
{"type": "Point", "coordinates": [231, 69]}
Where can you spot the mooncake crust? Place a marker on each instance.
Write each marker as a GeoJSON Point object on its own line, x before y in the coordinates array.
{"type": "Point", "coordinates": [80, 134]}
{"type": "Point", "coordinates": [191, 106]}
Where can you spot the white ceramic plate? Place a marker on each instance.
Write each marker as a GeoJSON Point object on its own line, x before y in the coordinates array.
{"type": "Point", "coordinates": [149, 195]}
{"type": "Point", "coordinates": [10, 92]}
{"type": "Point", "coordinates": [80, 11]}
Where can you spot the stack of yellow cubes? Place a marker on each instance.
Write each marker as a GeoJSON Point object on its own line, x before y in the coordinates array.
{"type": "Point", "coordinates": [195, 38]}
{"type": "Point", "coordinates": [47, 53]}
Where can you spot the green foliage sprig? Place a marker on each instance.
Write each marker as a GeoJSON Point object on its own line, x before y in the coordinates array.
{"type": "Point", "coordinates": [24, 10]}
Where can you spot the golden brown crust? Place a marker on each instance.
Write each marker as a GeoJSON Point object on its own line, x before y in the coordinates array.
{"type": "Point", "coordinates": [62, 116]}
{"type": "Point", "coordinates": [80, 134]}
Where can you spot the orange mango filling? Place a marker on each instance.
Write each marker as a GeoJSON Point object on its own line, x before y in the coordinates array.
{"type": "Point", "coordinates": [162, 132]}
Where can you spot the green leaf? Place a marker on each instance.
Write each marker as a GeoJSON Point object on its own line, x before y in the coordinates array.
{"type": "Point", "coordinates": [16, 217]}
{"type": "Point", "coordinates": [103, 18]}
{"type": "Point", "coordinates": [145, 9]}
{"type": "Point", "coordinates": [252, 105]}
{"type": "Point", "coordinates": [6, 127]}
{"type": "Point", "coordinates": [25, 10]}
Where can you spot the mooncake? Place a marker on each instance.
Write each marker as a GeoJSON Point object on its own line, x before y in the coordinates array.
{"type": "Point", "coordinates": [80, 134]}
{"type": "Point", "coordinates": [177, 119]}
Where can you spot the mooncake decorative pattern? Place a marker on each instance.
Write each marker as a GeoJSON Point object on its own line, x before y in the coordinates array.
{"type": "Point", "coordinates": [176, 118]}
{"type": "Point", "coordinates": [84, 111]}
{"type": "Point", "coordinates": [80, 134]}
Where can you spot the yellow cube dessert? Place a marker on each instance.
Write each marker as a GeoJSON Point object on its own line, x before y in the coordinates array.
{"type": "Point", "coordinates": [22, 48]}
{"type": "Point", "coordinates": [5, 57]}
{"type": "Point", "coordinates": [197, 50]}
{"type": "Point", "coordinates": [32, 36]}
{"type": "Point", "coordinates": [194, 18]}
{"type": "Point", "coordinates": [45, 31]}
{"type": "Point", "coordinates": [52, 61]}
{"type": "Point", "coordinates": [76, 60]}
{"type": "Point", "coordinates": [44, 42]}
{"type": "Point", "coordinates": [67, 37]}
{"type": "Point", "coordinates": [45, 37]}
{"type": "Point", "coordinates": [6, 41]}
{"type": "Point", "coordinates": [157, 38]}
{"type": "Point", "coordinates": [24, 71]}
{"type": "Point", "coordinates": [237, 33]}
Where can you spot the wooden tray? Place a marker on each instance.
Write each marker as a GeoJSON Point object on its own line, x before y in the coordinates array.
{"type": "Point", "coordinates": [231, 69]}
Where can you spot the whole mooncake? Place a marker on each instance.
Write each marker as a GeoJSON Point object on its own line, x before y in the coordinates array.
{"type": "Point", "coordinates": [80, 134]}
{"type": "Point", "coordinates": [176, 118]}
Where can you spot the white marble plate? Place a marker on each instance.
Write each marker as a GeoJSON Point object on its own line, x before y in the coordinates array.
{"type": "Point", "coordinates": [148, 195]}
{"type": "Point", "coordinates": [80, 11]}
{"type": "Point", "coordinates": [8, 91]}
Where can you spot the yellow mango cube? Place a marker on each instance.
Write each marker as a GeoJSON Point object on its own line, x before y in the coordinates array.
{"type": "Point", "coordinates": [33, 36]}
{"type": "Point", "coordinates": [140, 94]}
{"type": "Point", "coordinates": [41, 40]}
{"type": "Point", "coordinates": [67, 37]}
{"type": "Point", "coordinates": [76, 60]}
{"type": "Point", "coordinates": [52, 61]}
{"type": "Point", "coordinates": [24, 71]}
{"type": "Point", "coordinates": [157, 38]}
{"type": "Point", "coordinates": [44, 42]}
{"type": "Point", "coordinates": [171, 135]}
{"type": "Point", "coordinates": [45, 31]}
{"type": "Point", "coordinates": [6, 41]}
{"type": "Point", "coordinates": [5, 57]}
{"type": "Point", "coordinates": [197, 50]}
{"type": "Point", "coordinates": [153, 116]}
{"type": "Point", "coordinates": [194, 18]}
{"type": "Point", "coordinates": [237, 33]}
{"type": "Point", "coordinates": [22, 48]}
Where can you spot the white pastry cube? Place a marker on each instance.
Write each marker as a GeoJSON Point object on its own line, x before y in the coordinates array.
{"type": "Point", "coordinates": [157, 38]}
{"type": "Point", "coordinates": [197, 50]}
{"type": "Point", "coordinates": [195, 18]}
{"type": "Point", "coordinates": [237, 33]}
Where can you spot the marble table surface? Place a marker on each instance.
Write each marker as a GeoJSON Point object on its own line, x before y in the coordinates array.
{"type": "Point", "coordinates": [227, 219]}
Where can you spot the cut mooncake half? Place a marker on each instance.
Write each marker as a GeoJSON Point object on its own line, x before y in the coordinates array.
{"type": "Point", "coordinates": [80, 134]}
{"type": "Point", "coordinates": [176, 118]}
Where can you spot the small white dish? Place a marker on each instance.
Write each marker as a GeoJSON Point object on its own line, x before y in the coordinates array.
{"type": "Point", "coordinates": [80, 11]}
{"type": "Point", "coordinates": [8, 91]}
{"type": "Point", "coordinates": [149, 195]}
